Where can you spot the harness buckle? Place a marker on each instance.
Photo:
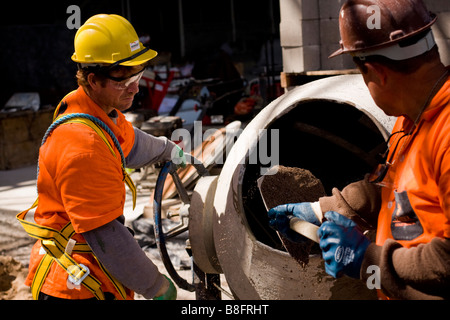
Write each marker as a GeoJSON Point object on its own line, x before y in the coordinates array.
{"type": "Point", "coordinates": [77, 275]}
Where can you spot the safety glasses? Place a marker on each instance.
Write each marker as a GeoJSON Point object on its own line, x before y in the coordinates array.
{"type": "Point", "coordinates": [380, 172]}
{"type": "Point", "coordinates": [125, 82]}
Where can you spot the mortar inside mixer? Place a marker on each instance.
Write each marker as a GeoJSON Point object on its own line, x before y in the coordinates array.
{"type": "Point", "coordinates": [338, 143]}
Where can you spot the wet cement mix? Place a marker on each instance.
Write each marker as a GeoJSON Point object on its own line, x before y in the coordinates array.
{"type": "Point", "coordinates": [292, 185]}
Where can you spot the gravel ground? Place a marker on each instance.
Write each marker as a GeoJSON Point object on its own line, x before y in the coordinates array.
{"type": "Point", "coordinates": [18, 191]}
{"type": "Point", "coordinates": [15, 247]}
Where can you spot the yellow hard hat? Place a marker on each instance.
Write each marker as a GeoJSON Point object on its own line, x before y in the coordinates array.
{"type": "Point", "coordinates": [109, 39]}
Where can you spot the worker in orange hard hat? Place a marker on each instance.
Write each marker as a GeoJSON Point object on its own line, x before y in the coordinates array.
{"type": "Point", "coordinates": [84, 250]}
{"type": "Point", "coordinates": [407, 198]}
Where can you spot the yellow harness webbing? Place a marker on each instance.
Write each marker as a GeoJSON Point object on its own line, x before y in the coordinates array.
{"type": "Point", "coordinates": [59, 245]}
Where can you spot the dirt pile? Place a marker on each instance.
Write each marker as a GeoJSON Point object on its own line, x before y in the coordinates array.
{"type": "Point", "coordinates": [12, 277]}
{"type": "Point", "coordinates": [291, 185]}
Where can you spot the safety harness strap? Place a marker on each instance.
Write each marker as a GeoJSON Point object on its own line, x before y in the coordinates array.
{"type": "Point", "coordinates": [40, 275]}
{"type": "Point", "coordinates": [90, 124]}
{"type": "Point", "coordinates": [78, 274]}
{"type": "Point", "coordinates": [54, 243]}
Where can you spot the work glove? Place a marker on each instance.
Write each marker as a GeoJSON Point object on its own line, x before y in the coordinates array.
{"type": "Point", "coordinates": [178, 157]}
{"type": "Point", "coordinates": [343, 245]}
{"type": "Point", "coordinates": [170, 294]}
{"type": "Point", "coordinates": [279, 220]}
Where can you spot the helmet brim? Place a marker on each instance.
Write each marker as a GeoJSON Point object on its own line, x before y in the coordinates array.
{"type": "Point", "coordinates": [147, 56]}
{"type": "Point", "coordinates": [138, 60]}
{"type": "Point", "coordinates": [336, 53]}
{"type": "Point", "coordinates": [388, 43]}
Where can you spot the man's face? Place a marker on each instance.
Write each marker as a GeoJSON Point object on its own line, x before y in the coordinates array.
{"type": "Point", "coordinates": [119, 88]}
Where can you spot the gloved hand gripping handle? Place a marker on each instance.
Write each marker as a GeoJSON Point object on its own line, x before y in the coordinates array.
{"type": "Point", "coordinates": [304, 228]}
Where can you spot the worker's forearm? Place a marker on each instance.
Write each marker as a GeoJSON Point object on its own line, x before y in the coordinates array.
{"type": "Point", "coordinates": [359, 201]}
{"type": "Point", "coordinates": [119, 252]}
{"type": "Point", "coordinates": [422, 272]}
{"type": "Point", "coordinates": [148, 149]}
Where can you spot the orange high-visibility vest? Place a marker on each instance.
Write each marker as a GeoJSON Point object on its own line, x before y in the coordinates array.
{"type": "Point", "coordinates": [80, 181]}
{"type": "Point", "coordinates": [416, 201]}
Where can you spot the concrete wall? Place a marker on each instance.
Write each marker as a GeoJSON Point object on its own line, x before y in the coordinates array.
{"type": "Point", "coordinates": [309, 33]}
{"type": "Point", "coordinates": [20, 137]}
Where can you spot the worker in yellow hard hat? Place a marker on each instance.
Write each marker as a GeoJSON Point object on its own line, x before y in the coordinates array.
{"type": "Point", "coordinates": [407, 199]}
{"type": "Point", "coordinates": [84, 250]}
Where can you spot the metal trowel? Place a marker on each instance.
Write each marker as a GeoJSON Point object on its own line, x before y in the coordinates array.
{"type": "Point", "coordinates": [298, 250]}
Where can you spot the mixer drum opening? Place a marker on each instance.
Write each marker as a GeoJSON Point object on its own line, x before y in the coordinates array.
{"type": "Point", "coordinates": [338, 143]}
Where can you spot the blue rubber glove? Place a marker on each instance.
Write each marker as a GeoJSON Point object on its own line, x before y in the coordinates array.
{"type": "Point", "coordinates": [178, 157]}
{"type": "Point", "coordinates": [170, 294]}
{"type": "Point", "coordinates": [278, 218]}
{"type": "Point", "coordinates": [343, 245]}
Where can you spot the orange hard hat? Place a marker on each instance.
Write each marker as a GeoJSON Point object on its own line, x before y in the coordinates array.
{"type": "Point", "coordinates": [369, 27]}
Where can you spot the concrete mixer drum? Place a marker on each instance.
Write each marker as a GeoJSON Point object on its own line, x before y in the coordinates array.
{"type": "Point", "coordinates": [332, 128]}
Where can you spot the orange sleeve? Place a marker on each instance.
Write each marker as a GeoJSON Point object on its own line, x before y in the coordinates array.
{"type": "Point", "coordinates": [444, 190]}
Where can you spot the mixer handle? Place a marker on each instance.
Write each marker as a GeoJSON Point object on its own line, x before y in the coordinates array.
{"type": "Point", "coordinates": [160, 236]}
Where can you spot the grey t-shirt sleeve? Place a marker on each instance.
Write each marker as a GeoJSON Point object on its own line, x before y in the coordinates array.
{"type": "Point", "coordinates": [148, 149]}
{"type": "Point", "coordinates": [115, 247]}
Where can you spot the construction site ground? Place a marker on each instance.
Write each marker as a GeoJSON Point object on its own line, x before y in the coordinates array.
{"type": "Point", "coordinates": [18, 192]}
